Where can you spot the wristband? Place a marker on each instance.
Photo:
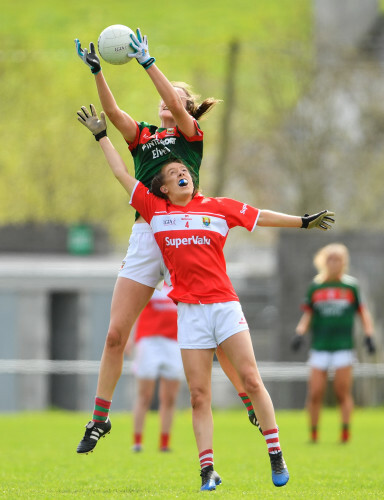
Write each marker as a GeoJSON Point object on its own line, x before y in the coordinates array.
{"type": "Point", "coordinates": [100, 135]}
{"type": "Point", "coordinates": [148, 63]}
{"type": "Point", "coordinates": [305, 221]}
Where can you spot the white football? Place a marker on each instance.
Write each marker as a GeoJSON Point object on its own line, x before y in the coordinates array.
{"type": "Point", "coordinates": [113, 44]}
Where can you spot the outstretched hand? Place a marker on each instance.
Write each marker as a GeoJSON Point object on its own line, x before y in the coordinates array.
{"type": "Point", "coordinates": [91, 59]}
{"type": "Point", "coordinates": [322, 220]}
{"type": "Point", "coordinates": [98, 126]}
{"type": "Point", "coordinates": [140, 45]}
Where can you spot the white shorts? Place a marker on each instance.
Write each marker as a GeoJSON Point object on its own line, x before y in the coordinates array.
{"type": "Point", "coordinates": [325, 360]}
{"type": "Point", "coordinates": [158, 357]}
{"type": "Point", "coordinates": [205, 326]}
{"type": "Point", "coordinates": [144, 262]}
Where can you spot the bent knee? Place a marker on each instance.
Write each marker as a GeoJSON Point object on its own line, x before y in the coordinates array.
{"type": "Point", "coordinates": [115, 339]}
{"type": "Point", "coordinates": [253, 383]}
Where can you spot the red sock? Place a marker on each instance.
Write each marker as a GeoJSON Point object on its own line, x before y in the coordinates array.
{"type": "Point", "coordinates": [164, 441]}
{"type": "Point", "coordinates": [345, 433]}
{"type": "Point", "coordinates": [272, 440]}
{"type": "Point", "coordinates": [314, 434]}
{"type": "Point", "coordinates": [206, 458]}
{"type": "Point", "coordinates": [137, 438]}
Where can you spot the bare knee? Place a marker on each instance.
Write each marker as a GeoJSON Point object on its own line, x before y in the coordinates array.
{"type": "Point", "coordinates": [168, 401]}
{"type": "Point", "coordinates": [200, 398]}
{"type": "Point", "coordinates": [342, 394]}
{"type": "Point", "coordinates": [144, 400]}
{"type": "Point", "coordinates": [315, 396]}
{"type": "Point", "coordinates": [115, 340]}
{"type": "Point", "coordinates": [253, 383]}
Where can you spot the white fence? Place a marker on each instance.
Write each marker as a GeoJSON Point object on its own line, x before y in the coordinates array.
{"type": "Point", "coordinates": [270, 371]}
{"type": "Point", "coordinates": [37, 384]}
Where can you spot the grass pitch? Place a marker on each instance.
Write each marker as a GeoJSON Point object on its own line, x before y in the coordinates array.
{"type": "Point", "coordinates": [39, 459]}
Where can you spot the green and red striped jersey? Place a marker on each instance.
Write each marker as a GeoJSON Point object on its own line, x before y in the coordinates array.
{"type": "Point", "coordinates": [333, 305]}
{"type": "Point", "coordinates": [153, 146]}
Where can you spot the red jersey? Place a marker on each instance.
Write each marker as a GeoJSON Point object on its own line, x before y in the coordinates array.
{"type": "Point", "coordinates": [192, 239]}
{"type": "Point", "coordinates": [158, 318]}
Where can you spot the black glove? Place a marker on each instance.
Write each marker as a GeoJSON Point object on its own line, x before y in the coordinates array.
{"type": "Point", "coordinates": [370, 345]}
{"type": "Point", "coordinates": [90, 59]}
{"type": "Point", "coordinates": [296, 342]}
{"type": "Point", "coordinates": [321, 220]}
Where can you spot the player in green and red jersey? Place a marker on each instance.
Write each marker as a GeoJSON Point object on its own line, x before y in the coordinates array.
{"type": "Point", "coordinates": [153, 145]}
{"type": "Point", "coordinates": [143, 269]}
{"type": "Point", "coordinates": [334, 305]}
{"type": "Point", "coordinates": [333, 299]}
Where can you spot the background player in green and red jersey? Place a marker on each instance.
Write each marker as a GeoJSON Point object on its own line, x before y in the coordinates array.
{"type": "Point", "coordinates": [143, 270]}
{"type": "Point", "coordinates": [333, 299]}
{"type": "Point", "coordinates": [191, 231]}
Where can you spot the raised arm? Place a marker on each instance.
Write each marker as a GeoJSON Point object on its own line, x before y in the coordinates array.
{"type": "Point", "coordinates": [164, 87]}
{"type": "Point", "coordinates": [124, 123]}
{"type": "Point", "coordinates": [98, 127]}
{"type": "Point", "coordinates": [321, 220]}
{"type": "Point", "coordinates": [120, 119]}
{"type": "Point", "coordinates": [172, 99]}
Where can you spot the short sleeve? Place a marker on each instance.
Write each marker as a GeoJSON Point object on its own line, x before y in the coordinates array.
{"type": "Point", "coordinates": [198, 135]}
{"type": "Point", "coordinates": [144, 201]}
{"type": "Point", "coordinates": [307, 304]}
{"type": "Point", "coordinates": [143, 131]}
{"type": "Point", "coordinates": [359, 301]}
{"type": "Point", "coordinates": [238, 213]}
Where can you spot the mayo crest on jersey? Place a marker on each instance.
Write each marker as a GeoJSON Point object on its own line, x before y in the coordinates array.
{"type": "Point", "coordinates": [192, 239]}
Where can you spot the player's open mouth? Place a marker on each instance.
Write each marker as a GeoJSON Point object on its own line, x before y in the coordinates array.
{"type": "Point", "coordinates": [183, 182]}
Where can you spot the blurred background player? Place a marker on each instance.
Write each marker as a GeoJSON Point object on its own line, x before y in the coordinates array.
{"type": "Point", "coordinates": [157, 357]}
{"type": "Point", "coordinates": [179, 135]}
{"type": "Point", "coordinates": [332, 301]}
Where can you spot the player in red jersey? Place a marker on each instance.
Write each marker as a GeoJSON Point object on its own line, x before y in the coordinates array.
{"type": "Point", "coordinates": [191, 230]}
{"type": "Point", "coordinates": [157, 357]}
{"type": "Point", "coordinates": [143, 268]}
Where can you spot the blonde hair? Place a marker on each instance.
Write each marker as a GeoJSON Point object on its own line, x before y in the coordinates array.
{"type": "Point", "coordinates": [321, 257]}
{"type": "Point", "coordinates": [194, 109]}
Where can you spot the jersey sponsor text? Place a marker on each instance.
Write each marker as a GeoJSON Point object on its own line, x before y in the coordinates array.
{"type": "Point", "coordinates": [192, 240]}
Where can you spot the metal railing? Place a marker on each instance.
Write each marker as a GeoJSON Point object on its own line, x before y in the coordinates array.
{"type": "Point", "coordinates": [270, 371]}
